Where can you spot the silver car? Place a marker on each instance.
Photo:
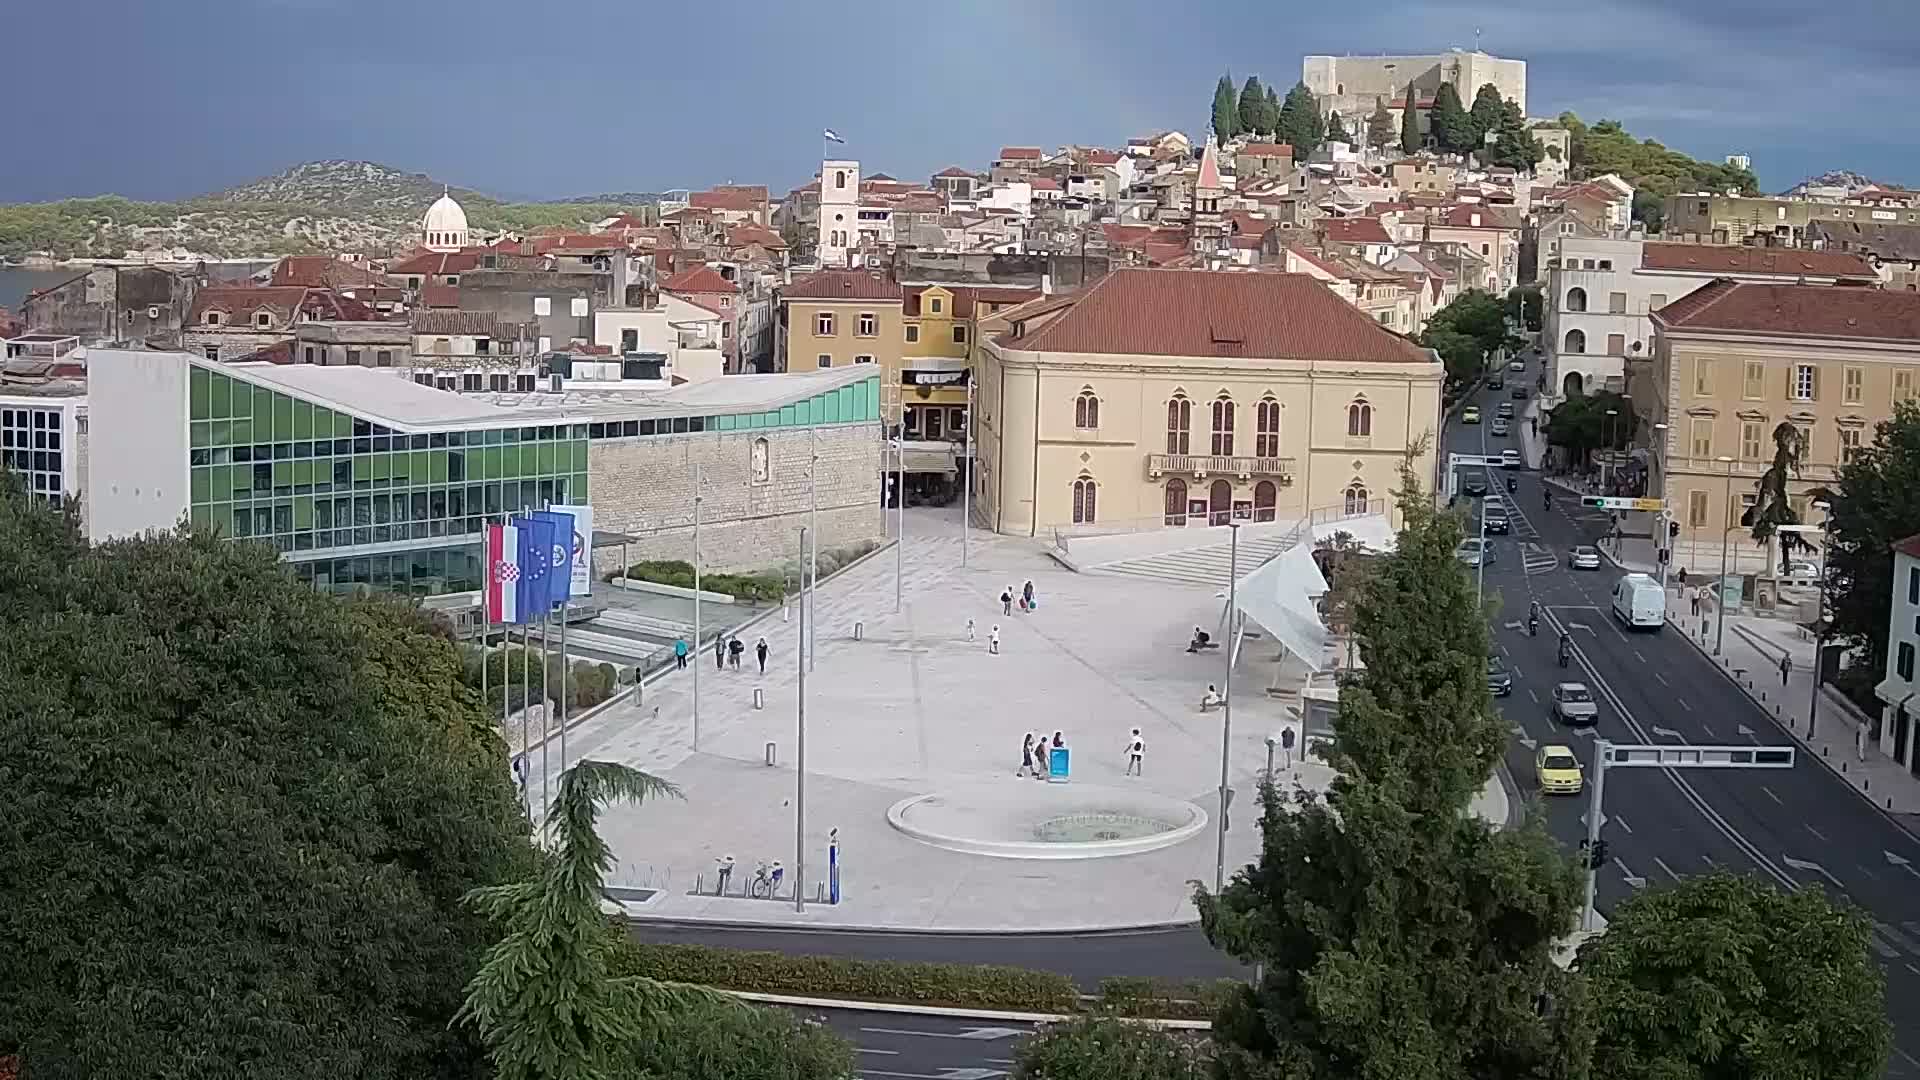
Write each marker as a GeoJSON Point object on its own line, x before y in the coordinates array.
{"type": "Point", "coordinates": [1573, 705]}
{"type": "Point", "coordinates": [1471, 552]}
{"type": "Point", "coordinates": [1584, 557]}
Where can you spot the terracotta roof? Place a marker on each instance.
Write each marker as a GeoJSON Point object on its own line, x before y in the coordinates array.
{"type": "Point", "coordinates": [280, 352]}
{"type": "Point", "coordinates": [1019, 153]}
{"type": "Point", "coordinates": [1207, 313]}
{"type": "Point", "coordinates": [953, 170]}
{"type": "Point", "coordinates": [1102, 157]}
{"type": "Point", "coordinates": [1243, 222]}
{"type": "Point", "coordinates": [1401, 103]}
{"type": "Point", "coordinates": [1900, 243]}
{"type": "Point", "coordinates": [698, 279]}
{"type": "Point", "coordinates": [1851, 312]}
{"type": "Point", "coordinates": [441, 321]}
{"type": "Point", "coordinates": [1265, 149]}
{"type": "Point", "coordinates": [842, 285]}
{"type": "Point", "coordinates": [1464, 216]}
{"type": "Point", "coordinates": [324, 272]}
{"type": "Point", "coordinates": [758, 191]}
{"type": "Point", "coordinates": [577, 242]}
{"type": "Point", "coordinates": [1209, 167]}
{"type": "Point", "coordinates": [428, 263]}
{"type": "Point", "coordinates": [240, 302]}
{"type": "Point", "coordinates": [1360, 230]}
{"type": "Point", "coordinates": [747, 232]}
{"type": "Point", "coordinates": [1725, 259]}
{"type": "Point", "coordinates": [737, 201]}
{"type": "Point", "coordinates": [965, 297]}
{"type": "Point", "coordinates": [1044, 183]}
{"type": "Point", "coordinates": [439, 296]}
{"type": "Point", "coordinates": [1909, 547]}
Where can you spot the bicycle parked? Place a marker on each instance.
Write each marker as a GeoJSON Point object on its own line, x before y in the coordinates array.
{"type": "Point", "coordinates": [766, 879]}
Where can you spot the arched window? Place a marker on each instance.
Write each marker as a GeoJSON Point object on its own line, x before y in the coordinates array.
{"type": "Point", "coordinates": [1179, 425]}
{"type": "Point", "coordinates": [1176, 501]}
{"type": "Point", "coordinates": [1265, 495]}
{"type": "Point", "coordinates": [1356, 501]}
{"type": "Point", "coordinates": [1576, 341]}
{"type": "Point", "coordinates": [1359, 419]}
{"type": "Point", "coordinates": [1223, 425]}
{"type": "Point", "coordinates": [1266, 429]}
{"type": "Point", "coordinates": [761, 460]}
{"type": "Point", "coordinates": [840, 178]}
{"type": "Point", "coordinates": [1086, 410]}
{"type": "Point", "coordinates": [1084, 491]}
{"type": "Point", "coordinates": [1576, 299]}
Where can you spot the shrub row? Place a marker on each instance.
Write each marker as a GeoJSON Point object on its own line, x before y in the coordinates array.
{"type": "Point", "coordinates": [754, 588]}
{"type": "Point", "coordinates": [957, 985]}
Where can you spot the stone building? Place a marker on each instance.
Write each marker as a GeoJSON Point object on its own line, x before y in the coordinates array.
{"type": "Point", "coordinates": [1353, 85]}
{"type": "Point", "coordinates": [134, 305]}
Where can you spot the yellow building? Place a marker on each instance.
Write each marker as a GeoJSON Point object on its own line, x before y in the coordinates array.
{"type": "Point", "coordinates": [1190, 397]}
{"type": "Point", "coordinates": [1732, 361]}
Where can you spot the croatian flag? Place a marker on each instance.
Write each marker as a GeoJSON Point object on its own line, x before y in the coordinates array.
{"type": "Point", "coordinates": [536, 568]}
{"type": "Point", "coordinates": [503, 574]}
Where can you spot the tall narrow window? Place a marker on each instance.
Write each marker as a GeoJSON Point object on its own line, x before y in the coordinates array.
{"type": "Point", "coordinates": [1266, 429]}
{"type": "Point", "coordinates": [1853, 385]}
{"type": "Point", "coordinates": [1359, 419]}
{"type": "Point", "coordinates": [869, 324]}
{"type": "Point", "coordinates": [1086, 411]}
{"type": "Point", "coordinates": [1753, 385]}
{"type": "Point", "coordinates": [1849, 444]}
{"type": "Point", "coordinates": [1179, 425]}
{"type": "Point", "coordinates": [1084, 492]}
{"type": "Point", "coordinates": [1806, 383]}
{"type": "Point", "coordinates": [1176, 501]}
{"type": "Point", "coordinates": [1223, 425]}
{"type": "Point", "coordinates": [1697, 509]}
{"type": "Point", "coordinates": [1356, 499]}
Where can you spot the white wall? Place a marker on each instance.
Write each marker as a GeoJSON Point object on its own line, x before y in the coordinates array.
{"type": "Point", "coordinates": [1016, 196]}
{"type": "Point", "coordinates": [1901, 627]}
{"type": "Point", "coordinates": [837, 237]}
{"type": "Point", "coordinates": [1595, 365]}
{"type": "Point", "coordinates": [650, 322]}
{"type": "Point", "coordinates": [137, 441]}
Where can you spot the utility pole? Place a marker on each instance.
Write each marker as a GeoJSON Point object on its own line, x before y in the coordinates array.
{"type": "Point", "coordinates": [698, 656]}
{"type": "Point", "coordinates": [812, 555]}
{"type": "Point", "coordinates": [900, 530]}
{"type": "Point", "coordinates": [966, 479]}
{"type": "Point", "coordinates": [1226, 701]}
{"type": "Point", "coordinates": [800, 764]}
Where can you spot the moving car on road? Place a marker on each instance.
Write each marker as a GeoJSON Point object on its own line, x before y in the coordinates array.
{"type": "Point", "coordinates": [1498, 427]}
{"type": "Point", "coordinates": [1499, 679]}
{"type": "Point", "coordinates": [1474, 483]}
{"type": "Point", "coordinates": [1504, 410]}
{"type": "Point", "coordinates": [1471, 551]}
{"type": "Point", "coordinates": [1470, 414]}
{"type": "Point", "coordinates": [1558, 771]}
{"type": "Point", "coordinates": [1639, 602]}
{"type": "Point", "coordinates": [1493, 518]}
{"type": "Point", "coordinates": [1573, 705]}
{"type": "Point", "coordinates": [1516, 365]}
{"type": "Point", "coordinates": [1584, 557]}
{"type": "Point", "coordinates": [1518, 393]}
{"type": "Point", "coordinates": [1509, 458]}
{"type": "Point", "coordinates": [1498, 381]}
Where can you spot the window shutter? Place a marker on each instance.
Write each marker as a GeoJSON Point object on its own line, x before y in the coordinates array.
{"type": "Point", "coordinates": [1815, 396]}
{"type": "Point", "coordinates": [1792, 370]}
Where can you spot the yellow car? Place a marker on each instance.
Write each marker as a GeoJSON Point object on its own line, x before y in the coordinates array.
{"type": "Point", "coordinates": [1558, 771]}
{"type": "Point", "coordinates": [1470, 414]}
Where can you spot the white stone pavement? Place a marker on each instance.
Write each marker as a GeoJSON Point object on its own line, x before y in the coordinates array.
{"type": "Point", "coordinates": [916, 708]}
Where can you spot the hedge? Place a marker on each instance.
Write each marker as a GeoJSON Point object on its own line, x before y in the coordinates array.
{"type": "Point", "coordinates": [1166, 998]}
{"type": "Point", "coordinates": [755, 588]}
{"type": "Point", "coordinates": [956, 985]}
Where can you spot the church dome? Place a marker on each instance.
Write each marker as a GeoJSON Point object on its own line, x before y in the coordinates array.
{"type": "Point", "coordinates": [445, 225]}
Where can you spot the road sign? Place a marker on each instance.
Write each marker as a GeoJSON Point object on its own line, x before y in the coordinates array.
{"type": "Point", "coordinates": [1610, 502]}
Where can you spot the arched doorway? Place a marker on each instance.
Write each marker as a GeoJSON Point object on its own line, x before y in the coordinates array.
{"type": "Point", "coordinates": [1265, 495]}
{"type": "Point", "coordinates": [1573, 386]}
{"type": "Point", "coordinates": [1219, 503]}
{"type": "Point", "coordinates": [1176, 501]}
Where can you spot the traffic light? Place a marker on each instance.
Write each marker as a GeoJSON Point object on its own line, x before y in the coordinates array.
{"type": "Point", "coordinates": [1593, 500]}
{"type": "Point", "coordinates": [1673, 529]}
{"type": "Point", "coordinates": [1599, 858]}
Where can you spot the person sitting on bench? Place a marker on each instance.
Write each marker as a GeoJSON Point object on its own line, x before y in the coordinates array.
{"type": "Point", "coordinates": [1201, 640]}
{"type": "Point", "coordinates": [1210, 699]}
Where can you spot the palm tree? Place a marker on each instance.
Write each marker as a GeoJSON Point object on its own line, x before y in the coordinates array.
{"type": "Point", "coordinates": [545, 1000]}
{"type": "Point", "coordinates": [1771, 507]}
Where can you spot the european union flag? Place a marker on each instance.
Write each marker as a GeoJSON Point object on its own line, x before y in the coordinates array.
{"type": "Point", "coordinates": [559, 556]}
{"type": "Point", "coordinates": [536, 567]}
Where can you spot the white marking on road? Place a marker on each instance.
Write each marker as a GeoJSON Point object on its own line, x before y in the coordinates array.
{"type": "Point", "coordinates": [1898, 938]}
{"type": "Point", "coordinates": [1896, 860]}
{"type": "Point", "coordinates": [1662, 678]}
{"type": "Point", "coordinates": [975, 1034]}
{"type": "Point", "coordinates": [1534, 696]}
{"type": "Point", "coordinates": [1683, 703]}
{"type": "Point", "coordinates": [968, 1073]}
{"type": "Point", "coordinates": [1520, 734]}
{"type": "Point", "coordinates": [1911, 1060]}
{"type": "Point", "coordinates": [1916, 971]}
{"type": "Point", "coordinates": [1818, 835]}
{"type": "Point", "coordinates": [871, 1050]}
{"type": "Point", "coordinates": [1813, 868]}
{"type": "Point", "coordinates": [1620, 821]}
{"type": "Point", "coordinates": [1665, 869]}
{"type": "Point", "coordinates": [1771, 795]}
{"type": "Point", "coordinates": [1637, 656]}
{"type": "Point", "coordinates": [1666, 732]}
{"type": "Point", "coordinates": [1633, 880]}
{"type": "Point", "coordinates": [1747, 733]}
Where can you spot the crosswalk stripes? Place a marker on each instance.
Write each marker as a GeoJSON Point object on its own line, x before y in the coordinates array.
{"type": "Point", "coordinates": [1538, 559]}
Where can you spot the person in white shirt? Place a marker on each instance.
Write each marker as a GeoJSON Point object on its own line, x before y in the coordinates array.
{"type": "Point", "coordinates": [1136, 749]}
{"type": "Point", "coordinates": [993, 639]}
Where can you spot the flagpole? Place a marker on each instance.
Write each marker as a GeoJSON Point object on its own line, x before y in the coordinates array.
{"type": "Point", "coordinates": [698, 652]}
{"type": "Point", "coordinates": [563, 667]}
{"type": "Point", "coordinates": [545, 662]}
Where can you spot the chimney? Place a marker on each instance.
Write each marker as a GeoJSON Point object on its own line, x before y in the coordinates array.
{"type": "Point", "coordinates": [1046, 284]}
{"type": "Point", "coordinates": [1475, 220]}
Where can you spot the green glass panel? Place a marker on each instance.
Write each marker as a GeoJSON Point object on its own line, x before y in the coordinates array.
{"type": "Point", "coordinates": [263, 414]}
{"type": "Point", "coordinates": [221, 517]}
{"type": "Point", "coordinates": [342, 425]}
{"type": "Point", "coordinates": [579, 455]}
{"type": "Point", "coordinates": [577, 491]}
{"type": "Point", "coordinates": [548, 459]}
{"type": "Point", "coordinates": [835, 402]}
{"type": "Point", "coordinates": [282, 474]}
{"type": "Point", "coordinates": [202, 482]}
{"type": "Point", "coordinates": [202, 517]}
{"type": "Point", "coordinates": [220, 433]}
{"type": "Point", "coordinates": [872, 411]}
{"type": "Point", "coordinates": [403, 470]}
{"type": "Point", "coordinates": [282, 418]}
{"type": "Point", "coordinates": [198, 435]}
{"type": "Point", "coordinates": [220, 393]}
{"type": "Point", "coordinates": [480, 464]}
{"type": "Point", "coordinates": [303, 420]}
{"type": "Point", "coordinates": [303, 512]}
{"type": "Point", "coordinates": [789, 415]}
{"type": "Point", "coordinates": [382, 466]}
{"type": "Point", "coordinates": [200, 391]}
{"type": "Point", "coordinates": [363, 467]}
{"type": "Point", "coordinates": [436, 467]}
{"type": "Point", "coordinates": [240, 431]}
{"type": "Point", "coordinates": [726, 423]}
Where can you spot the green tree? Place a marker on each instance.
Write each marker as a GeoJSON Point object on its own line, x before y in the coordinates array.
{"type": "Point", "coordinates": [725, 1040]}
{"type": "Point", "coordinates": [1105, 1048]}
{"type": "Point", "coordinates": [1452, 125]}
{"type": "Point", "coordinates": [1380, 132]}
{"type": "Point", "coordinates": [1410, 140]}
{"type": "Point", "coordinates": [1659, 172]}
{"type": "Point", "coordinates": [1773, 506]}
{"type": "Point", "coordinates": [1874, 503]}
{"type": "Point", "coordinates": [1526, 305]}
{"type": "Point", "coordinates": [1400, 935]}
{"type": "Point", "coordinates": [1226, 111]}
{"type": "Point", "coordinates": [240, 816]}
{"type": "Point", "coordinates": [1253, 108]}
{"type": "Point", "coordinates": [1513, 145]}
{"type": "Point", "coordinates": [1485, 113]}
{"type": "Point", "coordinates": [1272, 112]}
{"type": "Point", "coordinates": [1581, 424]}
{"type": "Point", "coordinates": [1467, 332]}
{"type": "Point", "coordinates": [1300, 122]}
{"type": "Point", "coordinates": [1724, 976]}
{"type": "Point", "coordinates": [1337, 131]}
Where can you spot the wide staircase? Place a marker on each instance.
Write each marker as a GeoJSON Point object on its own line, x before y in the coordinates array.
{"type": "Point", "coordinates": [1210, 565]}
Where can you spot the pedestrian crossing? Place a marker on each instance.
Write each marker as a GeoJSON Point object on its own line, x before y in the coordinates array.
{"type": "Point", "coordinates": [1537, 558]}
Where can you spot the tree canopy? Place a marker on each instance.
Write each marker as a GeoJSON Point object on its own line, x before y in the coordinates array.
{"type": "Point", "coordinates": [1652, 168]}
{"type": "Point", "coordinates": [241, 816]}
{"type": "Point", "coordinates": [1724, 977]}
{"type": "Point", "coordinates": [1772, 505]}
{"type": "Point", "coordinates": [1410, 140]}
{"type": "Point", "coordinates": [1486, 112]}
{"type": "Point", "coordinates": [1254, 115]}
{"type": "Point", "coordinates": [1380, 130]}
{"type": "Point", "coordinates": [1581, 423]}
{"type": "Point", "coordinates": [1226, 109]}
{"type": "Point", "coordinates": [1300, 123]}
{"type": "Point", "coordinates": [1874, 503]}
{"type": "Point", "coordinates": [1467, 332]}
{"type": "Point", "coordinates": [1527, 305]}
{"type": "Point", "coordinates": [1513, 145]}
{"type": "Point", "coordinates": [1452, 126]}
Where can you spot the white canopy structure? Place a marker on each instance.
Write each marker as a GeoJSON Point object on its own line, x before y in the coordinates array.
{"type": "Point", "coordinates": [1281, 598]}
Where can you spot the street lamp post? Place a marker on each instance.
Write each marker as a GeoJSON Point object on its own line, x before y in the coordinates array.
{"type": "Point", "coordinates": [800, 760]}
{"type": "Point", "coordinates": [1226, 699]}
{"type": "Point", "coordinates": [1726, 536]}
{"type": "Point", "coordinates": [966, 476]}
{"type": "Point", "coordinates": [1480, 571]}
{"type": "Point", "coordinates": [1820, 615]}
{"type": "Point", "coordinates": [697, 654]}
{"type": "Point", "coordinates": [1606, 477]}
{"type": "Point", "coordinates": [1665, 539]}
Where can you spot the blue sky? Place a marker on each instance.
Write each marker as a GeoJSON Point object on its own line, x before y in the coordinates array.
{"type": "Point", "coordinates": [157, 99]}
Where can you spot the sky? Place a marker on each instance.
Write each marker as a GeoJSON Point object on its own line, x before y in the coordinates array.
{"type": "Point", "coordinates": [163, 100]}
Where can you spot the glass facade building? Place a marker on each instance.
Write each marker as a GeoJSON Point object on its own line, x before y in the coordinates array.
{"type": "Point", "coordinates": [30, 444]}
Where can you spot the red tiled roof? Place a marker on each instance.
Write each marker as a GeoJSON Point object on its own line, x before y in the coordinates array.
{"type": "Point", "coordinates": [747, 233]}
{"type": "Point", "coordinates": [737, 201]}
{"type": "Point", "coordinates": [1136, 312]}
{"type": "Point", "coordinates": [1019, 153]}
{"type": "Point", "coordinates": [324, 272]}
{"type": "Point", "coordinates": [1464, 217]}
{"type": "Point", "coordinates": [842, 285]}
{"type": "Point", "coordinates": [1265, 149]}
{"type": "Point", "coordinates": [240, 302]}
{"type": "Point", "coordinates": [1360, 230]}
{"type": "Point", "coordinates": [1850, 312]}
{"type": "Point", "coordinates": [576, 242]}
{"type": "Point", "coordinates": [758, 191]}
{"type": "Point", "coordinates": [1726, 259]}
{"type": "Point", "coordinates": [1909, 547]}
{"type": "Point", "coordinates": [1401, 103]}
{"type": "Point", "coordinates": [1102, 157]}
{"type": "Point", "coordinates": [280, 352]}
{"type": "Point", "coordinates": [440, 296]}
{"type": "Point", "coordinates": [698, 279]}
{"type": "Point", "coordinates": [430, 263]}
{"type": "Point", "coordinates": [442, 321]}
{"type": "Point", "coordinates": [1243, 222]}
{"type": "Point", "coordinates": [953, 170]}
{"type": "Point", "coordinates": [1209, 167]}
{"type": "Point", "coordinates": [1044, 183]}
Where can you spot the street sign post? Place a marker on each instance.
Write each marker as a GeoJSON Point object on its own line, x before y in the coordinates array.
{"type": "Point", "coordinates": [1612, 502]}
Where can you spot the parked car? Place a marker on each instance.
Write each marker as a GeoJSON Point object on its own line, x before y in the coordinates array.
{"type": "Point", "coordinates": [1499, 679]}
{"type": "Point", "coordinates": [1558, 771]}
{"type": "Point", "coordinates": [1584, 557]}
{"type": "Point", "coordinates": [1800, 571]}
{"type": "Point", "coordinates": [1494, 520]}
{"type": "Point", "coordinates": [1470, 414]}
{"type": "Point", "coordinates": [1472, 552]}
{"type": "Point", "coordinates": [1573, 705]}
{"type": "Point", "coordinates": [1498, 427]}
{"type": "Point", "coordinates": [1516, 365]}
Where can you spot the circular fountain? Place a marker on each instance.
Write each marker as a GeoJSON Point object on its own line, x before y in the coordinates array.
{"type": "Point", "coordinates": [1027, 820]}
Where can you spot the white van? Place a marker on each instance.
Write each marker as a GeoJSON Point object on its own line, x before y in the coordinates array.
{"type": "Point", "coordinates": [1640, 602]}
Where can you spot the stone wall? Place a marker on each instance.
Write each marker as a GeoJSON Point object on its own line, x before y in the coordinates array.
{"type": "Point", "coordinates": [644, 487]}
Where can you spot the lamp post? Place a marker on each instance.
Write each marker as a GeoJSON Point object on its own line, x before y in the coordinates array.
{"type": "Point", "coordinates": [1606, 476]}
{"type": "Point", "coordinates": [1726, 534]}
{"type": "Point", "coordinates": [1820, 615]}
{"type": "Point", "coordinates": [1665, 539]}
{"type": "Point", "coordinates": [800, 760]}
{"type": "Point", "coordinates": [966, 476]}
{"type": "Point", "coordinates": [1226, 699]}
{"type": "Point", "coordinates": [1480, 570]}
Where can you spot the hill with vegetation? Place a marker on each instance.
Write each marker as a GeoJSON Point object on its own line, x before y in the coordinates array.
{"type": "Point", "coordinates": [1654, 169]}
{"type": "Point", "coordinates": [319, 206]}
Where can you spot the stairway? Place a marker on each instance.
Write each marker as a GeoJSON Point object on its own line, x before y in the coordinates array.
{"type": "Point", "coordinates": [1211, 565]}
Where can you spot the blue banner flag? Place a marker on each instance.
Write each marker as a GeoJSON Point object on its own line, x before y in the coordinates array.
{"type": "Point", "coordinates": [559, 556]}
{"type": "Point", "coordinates": [536, 568]}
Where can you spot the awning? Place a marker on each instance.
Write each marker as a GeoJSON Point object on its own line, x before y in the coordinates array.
{"type": "Point", "coordinates": [1281, 598]}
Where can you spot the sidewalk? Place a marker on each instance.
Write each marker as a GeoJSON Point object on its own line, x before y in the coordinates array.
{"type": "Point", "coordinates": [1751, 655]}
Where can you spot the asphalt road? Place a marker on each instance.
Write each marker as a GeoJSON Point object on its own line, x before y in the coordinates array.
{"type": "Point", "coordinates": [1794, 827]}
{"type": "Point", "coordinates": [899, 1046]}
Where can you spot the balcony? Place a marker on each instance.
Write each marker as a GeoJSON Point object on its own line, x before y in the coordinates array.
{"type": "Point", "coordinates": [1204, 465]}
{"type": "Point", "coordinates": [1812, 472]}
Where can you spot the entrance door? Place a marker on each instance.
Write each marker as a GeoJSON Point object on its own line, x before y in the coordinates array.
{"type": "Point", "coordinates": [1265, 495]}
{"type": "Point", "coordinates": [1176, 501]}
{"type": "Point", "coordinates": [1219, 503]}
{"type": "Point", "coordinates": [1901, 725]}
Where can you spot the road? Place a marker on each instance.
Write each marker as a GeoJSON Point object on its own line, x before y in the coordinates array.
{"type": "Point", "coordinates": [1796, 827]}
{"type": "Point", "coordinates": [899, 1046]}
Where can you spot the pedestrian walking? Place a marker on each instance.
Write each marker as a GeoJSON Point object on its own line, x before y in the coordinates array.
{"type": "Point", "coordinates": [1040, 758]}
{"type": "Point", "coordinates": [1026, 596]}
{"type": "Point", "coordinates": [680, 653]}
{"type": "Point", "coordinates": [1683, 576]}
{"type": "Point", "coordinates": [969, 629]}
{"type": "Point", "coordinates": [1027, 767]}
{"type": "Point", "coordinates": [1006, 600]}
{"type": "Point", "coordinates": [719, 652]}
{"type": "Point", "coordinates": [1786, 668]}
{"type": "Point", "coordinates": [1693, 600]}
{"type": "Point", "coordinates": [993, 639]}
{"type": "Point", "coordinates": [1136, 749]}
{"type": "Point", "coordinates": [760, 651]}
{"type": "Point", "coordinates": [734, 650]}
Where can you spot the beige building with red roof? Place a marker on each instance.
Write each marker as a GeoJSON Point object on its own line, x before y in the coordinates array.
{"type": "Point", "coordinates": [1735, 359]}
{"type": "Point", "coordinates": [1189, 398]}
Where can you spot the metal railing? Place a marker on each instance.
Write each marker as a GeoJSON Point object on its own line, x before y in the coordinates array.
{"type": "Point", "coordinates": [1219, 465]}
{"type": "Point", "coordinates": [1714, 467]}
{"type": "Point", "coordinates": [1063, 535]}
